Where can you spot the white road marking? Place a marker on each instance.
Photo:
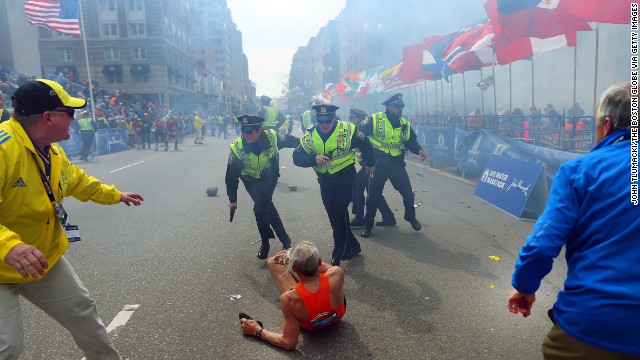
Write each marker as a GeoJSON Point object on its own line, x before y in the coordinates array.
{"type": "Point", "coordinates": [121, 318]}
{"type": "Point", "coordinates": [124, 167]}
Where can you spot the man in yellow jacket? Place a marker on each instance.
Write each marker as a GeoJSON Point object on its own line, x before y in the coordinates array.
{"type": "Point", "coordinates": [35, 177]}
{"type": "Point", "coordinates": [198, 123]}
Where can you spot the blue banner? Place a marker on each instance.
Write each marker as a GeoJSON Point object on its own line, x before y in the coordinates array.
{"type": "Point", "coordinates": [109, 141]}
{"type": "Point", "coordinates": [481, 144]}
{"type": "Point", "coordinates": [72, 146]}
{"type": "Point", "coordinates": [508, 183]}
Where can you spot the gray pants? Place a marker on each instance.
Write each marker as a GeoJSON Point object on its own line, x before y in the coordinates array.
{"type": "Point", "coordinates": [62, 295]}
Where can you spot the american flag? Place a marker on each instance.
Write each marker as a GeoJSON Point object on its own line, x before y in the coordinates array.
{"type": "Point", "coordinates": [59, 16]}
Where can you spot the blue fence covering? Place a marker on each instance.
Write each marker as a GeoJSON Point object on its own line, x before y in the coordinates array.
{"type": "Point", "coordinates": [106, 141]}
{"type": "Point", "coordinates": [482, 143]}
{"type": "Point", "coordinates": [444, 145]}
{"type": "Point", "coordinates": [72, 146]}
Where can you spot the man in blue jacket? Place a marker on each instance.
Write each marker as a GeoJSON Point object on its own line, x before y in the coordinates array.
{"type": "Point", "coordinates": [592, 211]}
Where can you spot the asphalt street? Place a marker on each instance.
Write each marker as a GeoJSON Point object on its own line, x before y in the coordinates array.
{"type": "Point", "coordinates": [433, 294]}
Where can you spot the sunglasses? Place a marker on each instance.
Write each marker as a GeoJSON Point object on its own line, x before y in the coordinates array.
{"type": "Point", "coordinates": [247, 130]}
{"type": "Point", "coordinates": [69, 112]}
{"type": "Point", "coordinates": [326, 120]}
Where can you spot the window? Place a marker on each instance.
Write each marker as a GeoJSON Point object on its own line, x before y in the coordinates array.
{"type": "Point", "coordinates": [219, 52]}
{"type": "Point", "coordinates": [65, 54]}
{"type": "Point", "coordinates": [219, 60]}
{"type": "Point", "coordinates": [109, 29]}
{"type": "Point", "coordinates": [58, 34]}
{"type": "Point", "coordinates": [138, 53]}
{"type": "Point", "coordinates": [140, 73]}
{"type": "Point", "coordinates": [136, 5]}
{"type": "Point", "coordinates": [111, 53]}
{"type": "Point", "coordinates": [108, 5]}
{"type": "Point", "coordinates": [136, 29]}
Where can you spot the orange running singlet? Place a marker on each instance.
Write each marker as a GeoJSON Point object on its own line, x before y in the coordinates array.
{"type": "Point", "coordinates": [319, 310]}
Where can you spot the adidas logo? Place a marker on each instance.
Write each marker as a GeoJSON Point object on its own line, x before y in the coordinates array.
{"type": "Point", "coordinates": [20, 183]}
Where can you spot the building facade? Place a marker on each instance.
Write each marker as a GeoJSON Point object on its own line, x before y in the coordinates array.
{"type": "Point", "coordinates": [217, 44]}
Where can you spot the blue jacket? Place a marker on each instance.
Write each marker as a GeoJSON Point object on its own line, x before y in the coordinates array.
{"type": "Point", "coordinates": [590, 212]}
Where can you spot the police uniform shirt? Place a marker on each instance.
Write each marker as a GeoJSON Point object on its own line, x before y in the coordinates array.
{"type": "Point", "coordinates": [366, 126]}
{"type": "Point", "coordinates": [236, 165]}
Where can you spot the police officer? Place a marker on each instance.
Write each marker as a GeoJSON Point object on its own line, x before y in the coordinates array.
{"type": "Point", "coordinates": [87, 131]}
{"type": "Point", "coordinates": [356, 116]}
{"type": "Point", "coordinates": [4, 115]}
{"type": "Point", "coordinates": [390, 134]}
{"type": "Point", "coordinates": [273, 118]}
{"type": "Point", "coordinates": [328, 148]}
{"type": "Point", "coordinates": [254, 160]}
{"type": "Point", "coordinates": [308, 117]}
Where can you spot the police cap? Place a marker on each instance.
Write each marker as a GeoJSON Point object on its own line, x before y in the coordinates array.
{"type": "Point", "coordinates": [325, 109]}
{"type": "Point", "coordinates": [265, 99]}
{"type": "Point", "coordinates": [395, 100]}
{"type": "Point", "coordinates": [357, 114]}
{"type": "Point", "coordinates": [250, 120]}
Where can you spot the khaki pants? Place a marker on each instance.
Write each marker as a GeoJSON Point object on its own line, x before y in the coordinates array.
{"type": "Point", "coordinates": [558, 345]}
{"type": "Point", "coordinates": [62, 296]}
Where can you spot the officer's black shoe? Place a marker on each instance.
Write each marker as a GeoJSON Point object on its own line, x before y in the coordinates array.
{"type": "Point", "coordinates": [385, 222]}
{"type": "Point", "coordinates": [357, 223]}
{"type": "Point", "coordinates": [365, 233]}
{"type": "Point", "coordinates": [263, 253]}
{"type": "Point", "coordinates": [415, 224]}
{"type": "Point", "coordinates": [286, 245]}
{"type": "Point", "coordinates": [335, 262]}
{"type": "Point", "coordinates": [353, 253]}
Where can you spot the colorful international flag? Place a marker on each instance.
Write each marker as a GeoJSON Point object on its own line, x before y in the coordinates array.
{"type": "Point", "coordinates": [610, 11]}
{"type": "Point", "coordinates": [525, 47]}
{"type": "Point", "coordinates": [59, 16]}
{"type": "Point", "coordinates": [470, 50]}
{"type": "Point", "coordinates": [529, 18]}
{"type": "Point", "coordinates": [413, 55]}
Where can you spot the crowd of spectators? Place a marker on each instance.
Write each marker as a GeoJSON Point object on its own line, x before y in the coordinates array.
{"type": "Point", "coordinates": [138, 116]}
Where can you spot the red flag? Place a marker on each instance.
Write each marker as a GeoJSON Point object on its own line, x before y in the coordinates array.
{"type": "Point", "coordinates": [413, 55]}
{"type": "Point", "coordinates": [510, 51]}
{"type": "Point", "coordinates": [530, 18]}
{"type": "Point", "coordinates": [471, 50]}
{"type": "Point", "coordinates": [610, 11]}
{"type": "Point", "coordinates": [58, 16]}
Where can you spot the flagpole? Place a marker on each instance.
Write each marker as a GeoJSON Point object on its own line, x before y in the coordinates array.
{"type": "Point", "coordinates": [425, 110]}
{"type": "Point", "coordinates": [481, 93]}
{"type": "Point", "coordinates": [464, 94]}
{"type": "Point", "coordinates": [86, 57]}
{"type": "Point", "coordinates": [436, 110]}
{"type": "Point", "coordinates": [415, 90]}
{"type": "Point", "coordinates": [595, 81]}
{"type": "Point", "coordinates": [451, 85]}
{"type": "Point", "coordinates": [421, 97]}
{"type": "Point", "coordinates": [426, 99]}
{"type": "Point", "coordinates": [495, 96]}
{"type": "Point", "coordinates": [575, 71]}
{"type": "Point", "coordinates": [442, 95]}
{"type": "Point", "coordinates": [494, 85]}
{"type": "Point", "coordinates": [410, 103]}
{"type": "Point", "coordinates": [533, 98]}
